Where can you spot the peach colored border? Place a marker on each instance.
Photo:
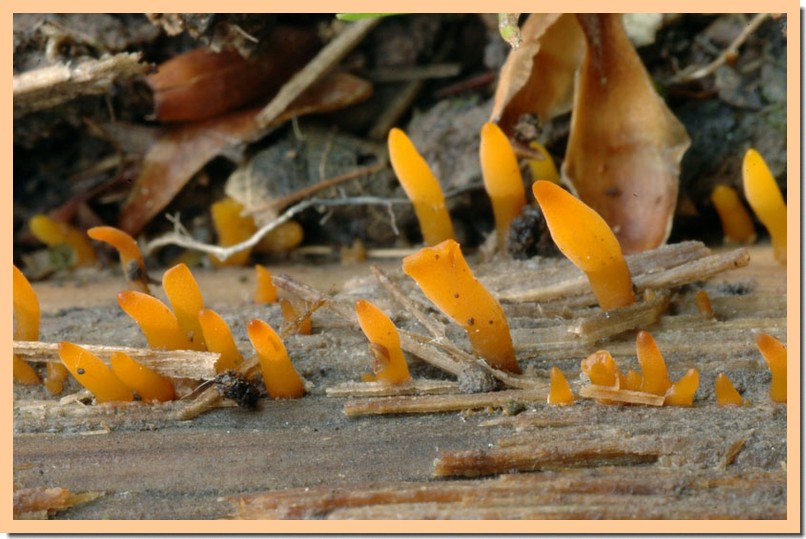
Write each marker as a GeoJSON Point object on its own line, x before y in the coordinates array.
{"type": "Point", "coordinates": [791, 525]}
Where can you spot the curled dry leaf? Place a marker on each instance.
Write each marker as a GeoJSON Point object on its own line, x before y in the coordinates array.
{"type": "Point", "coordinates": [538, 76]}
{"type": "Point", "coordinates": [625, 145]}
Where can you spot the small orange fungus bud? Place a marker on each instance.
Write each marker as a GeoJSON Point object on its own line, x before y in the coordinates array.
{"type": "Point", "coordinates": [292, 318]}
{"type": "Point", "coordinates": [543, 169]}
{"type": "Point", "coordinates": [388, 362]}
{"type": "Point", "coordinates": [765, 198]}
{"type": "Point", "coordinates": [726, 394]}
{"type": "Point", "coordinates": [681, 393]}
{"type": "Point", "coordinates": [443, 275]}
{"type": "Point", "coordinates": [57, 374]}
{"type": "Point", "coordinates": [559, 392]}
{"type": "Point", "coordinates": [632, 381]}
{"type": "Point", "coordinates": [151, 386]}
{"type": "Point", "coordinates": [703, 302]}
{"type": "Point", "coordinates": [653, 367]}
{"type": "Point", "coordinates": [421, 187]}
{"type": "Point", "coordinates": [736, 221]}
{"type": "Point", "coordinates": [93, 374]}
{"type": "Point", "coordinates": [26, 312]}
{"type": "Point", "coordinates": [284, 238]}
{"type": "Point", "coordinates": [186, 301]}
{"type": "Point", "coordinates": [281, 379]}
{"type": "Point", "coordinates": [601, 368]}
{"type": "Point", "coordinates": [157, 322]}
{"type": "Point", "coordinates": [131, 259]}
{"type": "Point", "coordinates": [586, 239]}
{"type": "Point", "coordinates": [502, 178]}
{"type": "Point", "coordinates": [265, 291]}
{"type": "Point", "coordinates": [774, 353]}
{"type": "Point", "coordinates": [218, 338]}
{"type": "Point", "coordinates": [54, 233]}
{"type": "Point", "coordinates": [232, 228]}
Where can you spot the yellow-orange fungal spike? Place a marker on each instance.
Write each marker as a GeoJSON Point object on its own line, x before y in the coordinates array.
{"type": "Point", "coordinates": [422, 188]}
{"type": "Point", "coordinates": [279, 375]}
{"type": "Point", "coordinates": [53, 233]}
{"type": "Point", "coordinates": [157, 322]}
{"type": "Point", "coordinates": [543, 169]}
{"type": "Point", "coordinates": [265, 290]}
{"type": "Point", "coordinates": [726, 394]}
{"type": "Point", "coordinates": [502, 178]}
{"type": "Point", "coordinates": [219, 339]}
{"type": "Point", "coordinates": [292, 319]}
{"type": "Point", "coordinates": [632, 381]}
{"type": "Point", "coordinates": [653, 367]}
{"type": "Point", "coordinates": [186, 301]}
{"type": "Point", "coordinates": [765, 198]}
{"type": "Point", "coordinates": [682, 392]}
{"type": "Point", "coordinates": [150, 385]}
{"type": "Point", "coordinates": [26, 328]}
{"type": "Point", "coordinates": [389, 365]}
{"type": "Point", "coordinates": [736, 222]}
{"type": "Point", "coordinates": [774, 353]}
{"type": "Point", "coordinates": [285, 237]}
{"type": "Point", "coordinates": [131, 259]}
{"type": "Point", "coordinates": [586, 239]}
{"type": "Point", "coordinates": [703, 302]}
{"type": "Point", "coordinates": [601, 368]}
{"type": "Point", "coordinates": [443, 275]}
{"type": "Point", "coordinates": [93, 374]}
{"type": "Point", "coordinates": [559, 390]}
{"type": "Point", "coordinates": [232, 228]}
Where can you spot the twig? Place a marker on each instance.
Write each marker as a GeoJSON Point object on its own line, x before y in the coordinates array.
{"type": "Point", "coordinates": [693, 73]}
{"type": "Point", "coordinates": [620, 395]}
{"type": "Point", "coordinates": [381, 389]}
{"type": "Point", "coordinates": [427, 404]}
{"type": "Point", "coordinates": [436, 330]}
{"type": "Point", "coordinates": [322, 63]}
{"type": "Point", "coordinates": [404, 74]}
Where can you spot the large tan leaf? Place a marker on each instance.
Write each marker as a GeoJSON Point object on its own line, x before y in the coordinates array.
{"type": "Point", "coordinates": [625, 145]}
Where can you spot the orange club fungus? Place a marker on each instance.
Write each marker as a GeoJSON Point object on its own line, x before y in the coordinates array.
{"type": "Point", "coordinates": [279, 375]}
{"type": "Point", "coordinates": [218, 338]}
{"type": "Point", "coordinates": [388, 363]}
{"type": "Point", "coordinates": [543, 169]}
{"type": "Point", "coordinates": [559, 390]}
{"type": "Point", "coordinates": [653, 367]}
{"type": "Point", "coordinates": [265, 290]}
{"type": "Point", "coordinates": [726, 394]}
{"type": "Point", "coordinates": [682, 392]}
{"type": "Point", "coordinates": [502, 178]}
{"type": "Point", "coordinates": [443, 275]}
{"type": "Point", "coordinates": [26, 328]}
{"type": "Point", "coordinates": [736, 221]}
{"type": "Point", "coordinates": [186, 301]}
{"type": "Point", "coordinates": [774, 353]}
{"type": "Point", "coordinates": [587, 240]}
{"type": "Point", "coordinates": [149, 385]}
{"type": "Point", "coordinates": [55, 233]}
{"type": "Point", "coordinates": [93, 374]}
{"type": "Point", "coordinates": [157, 322]}
{"type": "Point", "coordinates": [422, 188]}
{"type": "Point", "coordinates": [131, 259]}
{"type": "Point", "coordinates": [765, 198]}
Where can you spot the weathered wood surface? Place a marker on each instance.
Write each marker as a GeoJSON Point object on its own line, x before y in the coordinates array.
{"type": "Point", "coordinates": [307, 459]}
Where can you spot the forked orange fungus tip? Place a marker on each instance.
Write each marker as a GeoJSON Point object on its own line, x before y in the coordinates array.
{"type": "Point", "coordinates": [774, 353]}
{"type": "Point", "coordinates": [601, 369]}
{"type": "Point", "coordinates": [388, 363]}
{"type": "Point", "coordinates": [301, 325]}
{"type": "Point", "coordinates": [502, 178]}
{"type": "Point", "coordinates": [726, 393]}
{"type": "Point", "coordinates": [149, 385]}
{"type": "Point", "coordinates": [653, 367]}
{"type": "Point", "coordinates": [736, 221]}
{"type": "Point", "coordinates": [587, 241]}
{"type": "Point", "coordinates": [219, 339]}
{"type": "Point", "coordinates": [26, 328]}
{"type": "Point", "coordinates": [157, 322]}
{"type": "Point", "coordinates": [443, 275]}
{"type": "Point", "coordinates": [559, 391]}
{"type": "Point", "coordinates": [265, 290]}
{"type": "Point", "coordinates": [93, 374]}
{"type": "Point", "coordinates": [131, 259]}
{"type": "Point", "coordinates": [422, 188]}
{"type": "Point", "coordinates": [764, 196]}
{"type": "Point", "coordinates": [279, 375]}
{"type": "Point", "coordinates": [232, 228]}
{"type": "Point", "coordinates": [681, 393]}
{"type": "Point", "coordinates": [186, 301]}
{"type": "Point", "coordinates": [54, 233]}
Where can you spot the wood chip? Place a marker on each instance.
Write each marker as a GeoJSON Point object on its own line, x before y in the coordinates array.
{"type": "Point", "coordinates": [41, 503]}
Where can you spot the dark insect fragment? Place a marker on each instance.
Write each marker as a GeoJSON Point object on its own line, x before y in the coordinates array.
{"type": "Point", "coordinates": [234, 385]}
